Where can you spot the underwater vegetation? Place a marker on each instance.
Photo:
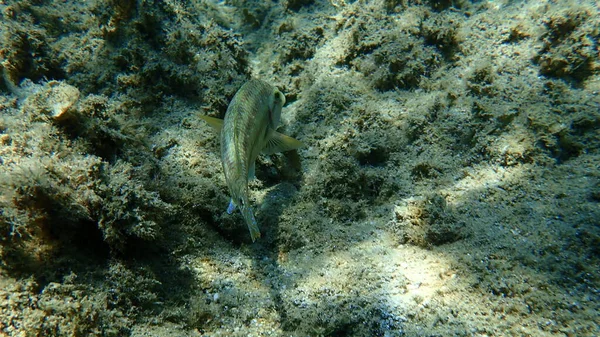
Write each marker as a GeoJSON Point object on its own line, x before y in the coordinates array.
{"type": "Point", "coordinates": [448, 182]}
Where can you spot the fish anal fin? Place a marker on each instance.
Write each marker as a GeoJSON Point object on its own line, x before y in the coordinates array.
{"type": "Point", "coordinates": [231, 207]}
{"type": "Point", "coordinates": [281, 143]}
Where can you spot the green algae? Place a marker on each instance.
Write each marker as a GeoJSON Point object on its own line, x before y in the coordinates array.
{"type": "Point", "coordinates": [449, 185]}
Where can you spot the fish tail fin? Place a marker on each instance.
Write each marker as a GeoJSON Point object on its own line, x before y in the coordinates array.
{"type": "Point", "coordinates": [251, 221]}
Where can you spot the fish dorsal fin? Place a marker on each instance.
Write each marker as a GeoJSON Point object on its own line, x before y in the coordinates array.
{"type": "Point", "coordinates": [281, 143]}
{"type": "Point", "coordinates": [215, 123]}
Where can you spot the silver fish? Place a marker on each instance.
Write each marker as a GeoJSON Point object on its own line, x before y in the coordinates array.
{"type": "Point", "coordinates": [247, 130]}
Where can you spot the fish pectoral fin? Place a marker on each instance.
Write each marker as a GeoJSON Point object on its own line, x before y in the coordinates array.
{"type": "Point", "coordinates": [281, 143]}
{"type": "Point", "coordinates": [215, 123]}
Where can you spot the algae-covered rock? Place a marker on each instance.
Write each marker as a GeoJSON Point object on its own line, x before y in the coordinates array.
{"type": "Point", "coordinates": [54, 100]}
{"type": "Point", "coordinates": [570, 44]}
{"type": "Point", "coordinates": [448, 185]}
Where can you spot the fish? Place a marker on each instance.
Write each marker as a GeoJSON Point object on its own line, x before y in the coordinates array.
{"type": "Point", "coordinates": [249, 129]}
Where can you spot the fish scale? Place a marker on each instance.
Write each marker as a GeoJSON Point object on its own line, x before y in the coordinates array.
{"type": "Point", "coordinates": [247, 130]}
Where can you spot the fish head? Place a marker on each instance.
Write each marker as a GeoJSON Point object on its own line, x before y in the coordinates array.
{"type": "Point", "coordinates": [275, 103]}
